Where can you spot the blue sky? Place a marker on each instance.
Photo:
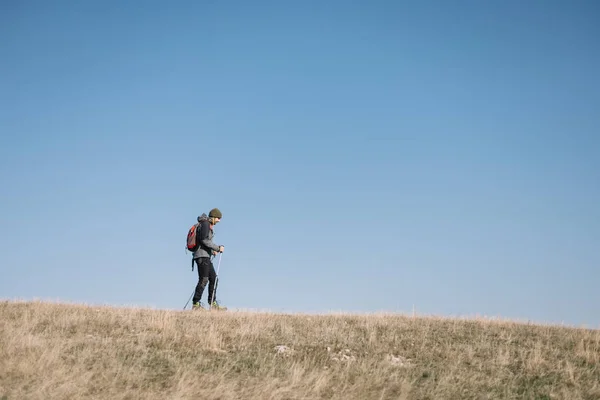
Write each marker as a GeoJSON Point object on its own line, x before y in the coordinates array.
{"type": "Point", "coordinates": [367, 156]}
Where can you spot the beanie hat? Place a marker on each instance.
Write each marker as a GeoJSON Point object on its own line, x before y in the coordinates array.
{"type": "Point", "coordinates": [215, 213]}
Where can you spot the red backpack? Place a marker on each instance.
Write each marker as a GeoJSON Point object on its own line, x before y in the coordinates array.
{"type": "Point", "coordinates": [192, 236]}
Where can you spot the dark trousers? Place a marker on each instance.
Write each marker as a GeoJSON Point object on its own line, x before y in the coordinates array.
{"type": "Point", "coordinates": [206, 274]}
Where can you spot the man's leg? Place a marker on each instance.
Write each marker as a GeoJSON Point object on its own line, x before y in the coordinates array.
{"type": "Point", "coordinates": [203, 275]}
{"type": "Point", "coordinates": [211, 285]}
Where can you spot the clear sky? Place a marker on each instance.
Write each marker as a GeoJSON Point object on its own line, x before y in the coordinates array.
{"type": "Point", "coordinates": [367, 156]}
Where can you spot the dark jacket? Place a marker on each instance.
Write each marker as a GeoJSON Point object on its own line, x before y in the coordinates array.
{"type": "Point", "coordinates": [205, 239]}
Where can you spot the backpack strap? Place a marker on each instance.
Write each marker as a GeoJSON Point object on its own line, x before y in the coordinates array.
{"type": "Point", "coordinates": [192, 263]}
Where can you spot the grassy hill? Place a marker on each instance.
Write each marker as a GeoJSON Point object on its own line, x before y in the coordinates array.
{"type": "Point", "coordinates": [55, 351]}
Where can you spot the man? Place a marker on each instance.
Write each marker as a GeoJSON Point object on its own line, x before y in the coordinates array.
{"type": "Point", "coordinates": [202, 257]}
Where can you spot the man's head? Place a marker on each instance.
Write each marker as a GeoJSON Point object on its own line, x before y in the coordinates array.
{"type": "Point", "coordinates": [214, 216]}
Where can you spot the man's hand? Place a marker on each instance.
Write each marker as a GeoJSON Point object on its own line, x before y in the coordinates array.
{"type": "Point", "coordinates": [221, 249]}
{"type": "Point", "coordinates": [214, 253]}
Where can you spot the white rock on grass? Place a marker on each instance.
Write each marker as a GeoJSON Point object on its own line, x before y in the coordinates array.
{"type": "Point", "coordinates": [343, 355]}
{"type": "Point", "coordinates": [282, 349]}
{"type": "Point", "coordinates": [398, 360]}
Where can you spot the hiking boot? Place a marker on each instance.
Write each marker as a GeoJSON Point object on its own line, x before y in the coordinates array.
{"type": "Point", "coordinates": [216, 306]}
{"type": "Point", "coordinates": [197, 306]}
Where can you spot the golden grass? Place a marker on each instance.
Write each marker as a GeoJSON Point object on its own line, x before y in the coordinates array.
{"type": "Point", "coordinates": [59, 351]}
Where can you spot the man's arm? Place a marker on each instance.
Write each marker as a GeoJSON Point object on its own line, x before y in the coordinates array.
{"type": "Point", "coordinates": [206, 242]}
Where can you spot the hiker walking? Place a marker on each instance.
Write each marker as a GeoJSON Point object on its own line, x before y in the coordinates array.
{"type": "Point", "coordinates": [202, 257]}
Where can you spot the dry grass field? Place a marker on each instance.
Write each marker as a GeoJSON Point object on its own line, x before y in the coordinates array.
{"type": "Point", "coordinates": [62, 351]}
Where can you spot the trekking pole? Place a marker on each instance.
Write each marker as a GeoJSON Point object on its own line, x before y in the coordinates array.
{"type": "Point", "coordinates": [216, 281]}
{"type": "Point", "coordinates": [189, 299]}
